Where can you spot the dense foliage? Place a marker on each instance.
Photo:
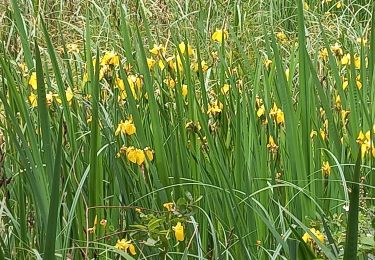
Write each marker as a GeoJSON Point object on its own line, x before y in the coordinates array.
{"type": "Point", "coordinates": [187, 129]}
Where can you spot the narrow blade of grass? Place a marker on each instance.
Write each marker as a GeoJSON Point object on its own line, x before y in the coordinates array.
{"type": "Point", "coordinates": [351, 242]}
{"type": "Point", "coordinates": [44, 119]}
{"type": "Point", "coordinates": [52, 226]}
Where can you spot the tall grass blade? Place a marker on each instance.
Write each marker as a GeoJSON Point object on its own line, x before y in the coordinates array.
{"type": "Point", "coordinates": [25, 40]}
{"type": "Point", "coordinates": [53, 225]}
{"type": "Point", "coordinates": [351, 242]}
{"type": "Point", "coordinates": [44, 119]}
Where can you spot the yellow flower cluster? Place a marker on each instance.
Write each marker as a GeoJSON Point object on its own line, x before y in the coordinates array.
{"type": "Point", "coordinates": [126, 127]}
{"type": "Point", "coordinates": [171, 83]}
{"type": "Point", "coordinates": [204, 66]}
{"type": "Point", "coordinates": [178, 228]}
{"type": "Point", "coordinates": [50, 96]}
{"type": "Point", "coordinates": [308, 238]}
{"type": "Point", "coordinates": [110, 58]}
{"type": "Point", "coordinates": [324, 130]}
{"type": "Point", "coordinates": [323, 54]}
{"type": "Point", "coordinates": [135, 83]}
{"type": "Point", "coordinates": [277, 115]}
{"type": "Point", "coordinates": [184, 90]}
{"type": "Point", "coordinates": [281, 36]}
{"type": "Point", "coordinates": [364, 140]}
{"type": "Point", "coordinates": [344, 113]}
{"type": "Point", "coordinates": [169, 206]}
{"type": "Point", "coordinates": [267, 63]}
{"type": "Point", "coordinates": [215, 108]}
{"type": "Point", "coordinates": [272, 146]}
{"type": "Point", "coordinates": [111, 61]}
{"type": "Point", "coordinates": [136, 155]}
{"type": "Point", "coordinates": [109, 70]}
{"type": "Point", "coordinates": [126, 245]}
{"type": "Point", "coordinates": [345, 59]}
{"type": "Point", "coordinates": [182, 47]}
{"type": "Point", "coordinates": [158, 50]}
{"type": "Point", "coordinates": [108, 62]}
{"type": "Point", "coordinates": [219, 35]}
{"type": "Point", "coordinates": [259, 106]}
{"type": "Point", "coordinates": [160, 53]}
{"type": "Point", "coordinates": [173, 62]}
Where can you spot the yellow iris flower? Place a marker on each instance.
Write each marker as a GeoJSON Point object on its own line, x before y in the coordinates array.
{"type": "Point", "coordinates": [326, 168]}
{"type": "Point", "coordinates": [272, 146]}
{"type": "Point", "coordinates": [308, 239]}
{"type": "Point", "coordinates": [220, 35]}
{"type": "Point", "coordinates": [182, 48]}
{"type": "Point", "coordinates": [69, 95]}
{"type": "Point", "coordinates": [150, 63]}
{"type": "Point", "coordinates": [179, 232]}
{"type": "Point", "coordinates": [126, 127]}
{"type": "Point", "coordinates": [33, 81]}
{"type": "Point", "coordinates": [126, 245]}
{"type": "Point", "coordinates": [135, 155]}
{"type": "Point", "coordinates": [225, 89]}
{"type": "Point", "coordinates": [33, 100]}
{"type": "Point", "coordinates": [110, 58]}
{"type": "Point", "coordinates": [184, 90]}
{"type": "Point", "coordinates": [169, 206]}
{"type": "Point", "coordinates": [215, 108]}
{"type": "Point", "coordinates": [277, 115]}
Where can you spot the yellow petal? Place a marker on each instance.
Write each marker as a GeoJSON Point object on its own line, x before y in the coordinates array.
{"type": "Point", "coordinates": [129, 127]}
{"type": "Point", "coordinates": [182, 48]}
{"type": "Point", "coordinates": [345, 60]}
{"type": "Point", "coordinates": [280, 117]}
{"type": "Point", "coordinates": [149, 153]}
{"type": "Point", "coordinates": [168, 206]}
{"type": "Point", "coordinates": [69, 94]}
{"type": "Point", "coordinates": [179, 232]}
{"type": "Point", "coordinates": [33, 100]}
{"type": "Point", "coordinates": [140, 156]}
{"type": "Point", "coordinates": [287, 74]}
{"type": "Point", "coordinates": [132, 249]}
{"type": "Point", "coordinates": [161, 65]}
{"type": "Point", "coordinates": [49, 98]}
{"type": "Point", "coordinates": [33, 81]}
{"type": "Point", "coordinates": [184, 90]}
{"type": "Point", "coordinates": [131, 154]}
{"type": "Point", "coordinates": [150, 63]}
{"type": "Point", "coordinates": [261, 111]}
{"type": "Point", "coordinates": [345, 84]}
{"type": "Point", "coordinates": [225, 88]}
{"type": "Point", "coordinates": [359, 84]}
{"type": "Point", "coordinates": [219, 35]}
{"type": "Point", "coordinates": [120, 84]}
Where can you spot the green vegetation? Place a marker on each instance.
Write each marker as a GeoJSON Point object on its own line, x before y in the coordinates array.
{"type": "Point", "coordinates": [175, 129]}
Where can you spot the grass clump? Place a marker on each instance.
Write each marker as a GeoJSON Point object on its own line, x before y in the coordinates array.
{"type": "Point", "coordinates": [206, 130]}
